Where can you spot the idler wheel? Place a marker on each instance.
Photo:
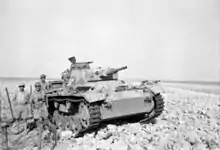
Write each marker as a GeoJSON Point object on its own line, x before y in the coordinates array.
{"type": "Point", "coordinates": [84, 115]}
{"type": "Point", "coordinates": [59, 120]}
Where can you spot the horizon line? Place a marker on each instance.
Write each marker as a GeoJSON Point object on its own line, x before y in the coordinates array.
{"type": "Point", "coordinates": [134, 79]}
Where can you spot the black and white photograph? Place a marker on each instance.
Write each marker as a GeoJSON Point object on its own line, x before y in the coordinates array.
{"type": "Point", "coordinates": [109, 75]}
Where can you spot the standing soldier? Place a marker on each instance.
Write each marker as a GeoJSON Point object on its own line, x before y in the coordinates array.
{"type": "Point", "coordinates": [38, 103]}
{"type": "Point", "coordinates": [21, 104]}
{"type": "Point", "coordinates": [40, 112]}
{"type": "Point", "coordinates": [43, 82]}
{"type": "Point", "coordinates": [73, 62]}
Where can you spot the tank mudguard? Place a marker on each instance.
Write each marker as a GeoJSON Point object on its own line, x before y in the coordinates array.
{"type": "Point", "coordinates": [92, 97]}
{"type": "Point", "coordinates": [157, 88]}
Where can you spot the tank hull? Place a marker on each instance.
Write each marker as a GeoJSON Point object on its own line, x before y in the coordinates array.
{"type": "Point", "coordinates": [126, 106]}
{"type": "Point", "coordinates": [122, 105]}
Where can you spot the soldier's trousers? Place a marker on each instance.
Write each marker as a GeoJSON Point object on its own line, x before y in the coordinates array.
{"type": "Point", "coordinates": [23, 111]}
{"type": "Point", "coordinates": [40, 112]}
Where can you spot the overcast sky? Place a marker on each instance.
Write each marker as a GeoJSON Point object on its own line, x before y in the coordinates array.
{"type": "Point", "coordinates": [157, 39]}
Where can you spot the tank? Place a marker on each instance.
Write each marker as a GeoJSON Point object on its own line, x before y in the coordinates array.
{"type": "Point", "coordinates": [85, 98]}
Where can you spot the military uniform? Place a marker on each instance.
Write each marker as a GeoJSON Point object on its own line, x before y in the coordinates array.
{"type": "Point", "coordinates": [21, 104]}
{"type": "Point", "coordinates": [44, 86]}
{"type": "Point", "coordinates": [38, 104]}
{"type": "Point", "coordinates": [40, 112]}
{"type": "Point", "coordinates": [44, 83]}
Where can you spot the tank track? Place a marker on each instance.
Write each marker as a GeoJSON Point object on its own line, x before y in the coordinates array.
{"type": "Point", "coordinates": [158, 108]}
{"type": "Point", "coordinates": [95, 116]}
{"type": "Point", "coordinates": [65, 122]}
{"type": "Point", "coordinates": [159, 105]}
{"type": "Point", "coordinates": [94, 120]}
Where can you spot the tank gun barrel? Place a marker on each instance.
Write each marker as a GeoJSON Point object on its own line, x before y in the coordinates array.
{"type": "Point", "coordinates": [89, 62]}
{"type": "Point", "coordinates": [112, 71]}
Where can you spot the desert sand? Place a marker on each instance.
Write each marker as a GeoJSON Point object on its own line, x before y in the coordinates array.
{"type": "Point", "coordinates": [191, 120]}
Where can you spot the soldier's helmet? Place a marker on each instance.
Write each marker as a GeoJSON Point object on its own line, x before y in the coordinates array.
{"type": "Point", "coordinates": [42, 76]}
{"type": "Point", "coordinates": [21, 85]}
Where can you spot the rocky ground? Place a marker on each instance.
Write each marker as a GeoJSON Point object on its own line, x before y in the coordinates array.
{"type": "Point", "coordinates": [191, 121]}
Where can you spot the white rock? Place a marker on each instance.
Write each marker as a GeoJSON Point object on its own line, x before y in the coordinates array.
{"type": "Point", "coordinates": [111, 128]}
{"type": "Point", "coordinates": [132, 139]}
{"type": "Point", "coordinates": [66, 134]}
{"type": "Point", "coordinates": [119, 146]}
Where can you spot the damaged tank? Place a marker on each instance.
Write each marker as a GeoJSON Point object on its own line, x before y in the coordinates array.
{"type": "Point", "coordinates": [85, 98]}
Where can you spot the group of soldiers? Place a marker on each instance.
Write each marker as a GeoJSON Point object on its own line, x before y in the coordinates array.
{"type": "Point", "coordinates": [31, 105]}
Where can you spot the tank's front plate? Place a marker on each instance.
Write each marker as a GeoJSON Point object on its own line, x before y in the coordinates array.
{"type": "Point", "coordinates": [126, 103]}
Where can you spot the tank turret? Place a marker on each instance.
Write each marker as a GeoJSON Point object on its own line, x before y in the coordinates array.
{"type": "Point", "coordinates": [78, 72]}
{"type": "Point", "coordinates": [112, 73]}
{"type": "Point", "coordinates": [81, 73]}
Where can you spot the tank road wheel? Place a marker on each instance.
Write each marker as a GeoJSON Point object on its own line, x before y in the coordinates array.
{"type": "Point", "coordinates": [84, 115]}
{"type": "Point", "coordinates": [56, 119]}
{"type": "Point", "coordinates": [74, 124]}
{"type": "Point", "coordinates": [59, 120]}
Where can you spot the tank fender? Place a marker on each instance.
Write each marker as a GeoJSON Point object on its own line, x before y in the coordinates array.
{"type": "Point", "coordinates": [94, 97]}
{"type": "Point", "coordinates": [157, 88]}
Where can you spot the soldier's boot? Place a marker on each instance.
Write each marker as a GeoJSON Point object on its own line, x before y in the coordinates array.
{"type": "Point", "coordinates": [31, 124]}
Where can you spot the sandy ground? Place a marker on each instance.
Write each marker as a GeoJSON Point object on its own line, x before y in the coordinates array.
{"type": "Point", "coordinates": [191, 121]}
{"type": "Point", "coordinates": [196, 87]}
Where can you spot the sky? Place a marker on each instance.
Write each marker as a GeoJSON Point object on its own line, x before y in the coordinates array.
{"type": "Point", "coordinates": [156, 39]}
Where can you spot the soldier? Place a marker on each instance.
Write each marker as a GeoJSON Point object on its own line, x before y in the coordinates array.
{"type": "Point", "coordinates": [40, 112]}
{"type": "Point", "coordinates": [44, 83]}
{"type": "Point", "coordinates": [73, 62]}
{"type": "Point", "coordinates": [21, 104]}
{"type": "Point", "coordinates": [38, 103]}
